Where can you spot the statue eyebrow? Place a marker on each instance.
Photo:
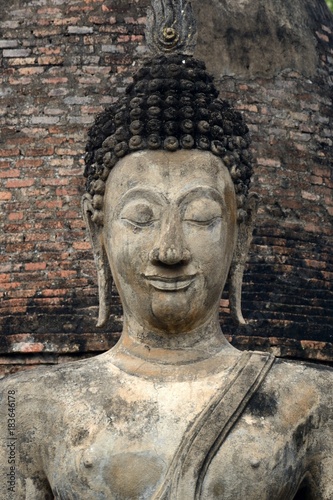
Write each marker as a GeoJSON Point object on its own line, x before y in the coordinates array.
{"type": "Point", "coordinates": [203, 191]}
{"type": "Point", "coordinates": [160, 199]}
{"type": "Point", "coordinates": [148, 194]}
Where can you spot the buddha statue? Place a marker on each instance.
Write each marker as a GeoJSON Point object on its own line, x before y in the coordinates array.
{"type": "Point", "coordinates": [173, 411]}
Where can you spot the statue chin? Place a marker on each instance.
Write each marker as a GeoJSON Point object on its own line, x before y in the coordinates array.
{"type": "Point", "coordinates": [173, 314]}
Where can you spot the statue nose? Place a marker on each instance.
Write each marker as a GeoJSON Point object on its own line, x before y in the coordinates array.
{"type": "Point", "coordinates": [171, 246]}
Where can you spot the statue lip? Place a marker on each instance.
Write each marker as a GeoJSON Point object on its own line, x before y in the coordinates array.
{"type": "Point", "coordinates": [168, 284]}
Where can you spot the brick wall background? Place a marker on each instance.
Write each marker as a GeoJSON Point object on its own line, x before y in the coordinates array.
{"type": "Point", "coordinates": [61, 63]}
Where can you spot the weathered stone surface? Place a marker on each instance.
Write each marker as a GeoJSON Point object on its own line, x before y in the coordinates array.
{"type": "Point", "coordinates": [260, 38]}
{"type": "Point", "coordinates": [95, 421]}
{"type": "Point", "coordinates": [173, 411]}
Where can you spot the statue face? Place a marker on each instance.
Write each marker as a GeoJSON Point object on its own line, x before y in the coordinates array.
{"type": "Point", "coordinates": [169, 234]}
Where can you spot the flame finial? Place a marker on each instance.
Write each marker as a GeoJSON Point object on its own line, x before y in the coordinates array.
{"type": "Point", "coordinates": [171, 27]}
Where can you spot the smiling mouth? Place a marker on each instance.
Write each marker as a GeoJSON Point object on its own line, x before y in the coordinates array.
{"type": "Point", "coordinates": [170, 284]}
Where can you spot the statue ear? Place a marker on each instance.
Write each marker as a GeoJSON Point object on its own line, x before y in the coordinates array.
{"type": "Point", "coordinates": [245, 230]}
{"type": "Point", "coordinates": [104, 276]}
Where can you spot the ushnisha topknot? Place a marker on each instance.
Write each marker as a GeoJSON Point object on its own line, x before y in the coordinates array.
{"type": "Point", "coordinates": [172, 104]}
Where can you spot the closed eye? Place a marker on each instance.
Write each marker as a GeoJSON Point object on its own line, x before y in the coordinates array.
{"type": "Point", "coordinates": [202, 212]}
{"type": "Point", "coordinates": [139, 214]}
{"type": "Point", "coordinates": [137, 223]}
{"type": "Point", "coordinates": [205, 222]}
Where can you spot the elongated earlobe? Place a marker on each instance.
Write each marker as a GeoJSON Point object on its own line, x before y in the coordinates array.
{"type": "Point", "coordinates": [245, 230]}
{"type": "Point", "coordinates": [102, 264]}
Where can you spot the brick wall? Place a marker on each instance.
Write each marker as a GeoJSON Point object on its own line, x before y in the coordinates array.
{"type": "Point", "coordinates": [61, 63]}
{"type": "Point", "coordinates": [288, 284]}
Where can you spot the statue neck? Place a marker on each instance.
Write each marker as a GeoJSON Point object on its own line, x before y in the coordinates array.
{"type": "Point", "coordinates": [199, 344]}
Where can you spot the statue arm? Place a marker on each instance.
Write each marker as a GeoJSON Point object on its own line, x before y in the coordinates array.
{"type": "Point", "coordinates": [21, 474]}
{"type": "Point", "coordinates": [324, 467]}
{"type": "Point", "coordinates": [322, 456]}
{"type": "Point", "coordinates": [326, 484]}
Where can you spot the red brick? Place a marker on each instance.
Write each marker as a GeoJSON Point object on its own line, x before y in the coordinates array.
{"type": "Point", "coordinates": [89, 80]}
{"type": "Point", "coordinates": [4, 164]}
{"type": "Point", "coordinates": [98, 19]}
{"type": "Point", "coordinates": [321, 171]}
{"type": "Point", "coordinates": [35, 237]}
{"type": "Point", "coordinates": [20, 81]}
{"type": "Point", "coordinates": [44, 32]}
{"type": "Point", "coordinates": [10, 285]}
{"type": "Point", "coordinates": [28, 162]}
{"type": "Point", "coordinates": [55, 80]}
{"type": "Point", "coordinates": [19, 183]}
{"type": "Point", "coordinates": [49, 204]}
{"type": "Point", "coordinates": [18, 248]}
{"type": "Point", "coordinates": [40, 151]}
{"type": "Point", "coordinates": [81, 8]}
{"type": "Point", "coordinates": [58, 92]}
{"type": "Point", "coordinates": [82, 245]}
{"type": "Point", "coordinates": [50, 60]}
{"type": "Point", "coordinates": [9, 152]}
{"type": "Point", "coordinates": [15, 216]}
{"type": "Point", "coordinates": [49, 11]}
{"type": "Point", "coordinates": [68, 274]}
{"type": "Point", "coordinates": [31, 347]}
{"type": "Point", "coordinates": [55, 140]}
{"type": "Point", "coordinates": [64, 162]}
{"type": "Point", "coordinates": [16, 310]}
{"type": "Point", "coordinates": [68, 151]}
{"type": "Point", "coordinates": [18, 141]}
{"type": "Point", "coordinates": [66, 21]}
{"type": "Point", "coordinates": [54, 182]}
{"type": "Point", "coordinates": [9, 173]}
{"type": "Point", "coordinates": [22, 61]}
{"type": "Point", "coordinates": [310, 196]}
{"type": "Point", "coordinates": [16, 302]}
{"type": "Point", "coordinates": [49, 50]}
{"type": "Point", "coordinates": [35, 266]}
{"type": "Point", "coordinates": [92, 109]}
{"type": "Point", "coordinates": [54, 293]}
{"type": "Point", "coordinates": [315, 264]}
{"type": "Point", "coordinates": [130, 38]}
{"type": "Point", "coordinates": [247, 107]}
{"type": "Point", "coordinates": [67, 192]}
{"type": "Point", "coordinates": [21, 293]}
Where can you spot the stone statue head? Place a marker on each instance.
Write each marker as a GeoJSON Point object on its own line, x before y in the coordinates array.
{"type": "Point", "coordinates": [168, 172]}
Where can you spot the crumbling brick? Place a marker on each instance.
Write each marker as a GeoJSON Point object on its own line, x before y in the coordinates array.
{"type": "Point", "coordinates": [61, 66]}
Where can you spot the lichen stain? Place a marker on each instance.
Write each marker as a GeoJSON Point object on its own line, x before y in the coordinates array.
{"type": "Point", "coordinates": [263, 404]}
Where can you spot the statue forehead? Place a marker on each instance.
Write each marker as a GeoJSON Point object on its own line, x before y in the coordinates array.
{"type": "Point", "coordinates": [168, 170]}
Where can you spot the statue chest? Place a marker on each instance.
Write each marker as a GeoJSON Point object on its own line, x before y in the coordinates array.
{"type": "Point", "coordinates": [125, 448]}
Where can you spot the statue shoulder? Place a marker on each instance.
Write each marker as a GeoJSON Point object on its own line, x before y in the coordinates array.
{"type": "Point", "coordinates": [33, 406]}
{"type": "Point", "coordinates": [301, 389]}
{"type": "Point", "coordinates": [26, 395]}
{"type": "Point", "coordinates": [22, 387]}
{"type": "Point", "coordinates": [48, 383]}
{"type": "Point", "coordinates": [315, 375]}
{"type": "Point", "coordinates": [34, 385]}
{"type": "Point", "coordinates": [308, 396]}
{"type": "Point", "coordinates": [20, 430]}
{"type": "Point", "coordinates": [289, 375]}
